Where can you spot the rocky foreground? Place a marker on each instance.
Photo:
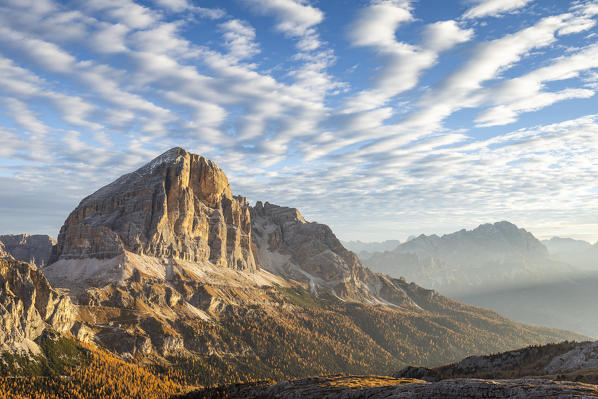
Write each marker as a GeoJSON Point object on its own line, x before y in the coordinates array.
{"type": "Point", "coordinates": [371, 387]}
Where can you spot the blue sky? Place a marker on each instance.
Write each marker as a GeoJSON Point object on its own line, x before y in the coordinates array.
{"type": "Point", "coordinates": [381, 118]}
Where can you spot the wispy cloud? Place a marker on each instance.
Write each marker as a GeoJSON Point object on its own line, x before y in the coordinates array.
{"type": "Point", "coordinates": [493, 8]}
{"type": "Point", "coordinates": [295, 18]}
{"type": "Point", "coordinates": [401, 63]}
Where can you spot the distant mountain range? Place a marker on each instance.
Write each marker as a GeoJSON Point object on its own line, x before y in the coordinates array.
{"type": "Point", "coordinates": [365, 249]}
{"type": "Point", "coordinates": [488, 257]}
{"type": "Point", "coordinates": [578, 253]}
{"type": "Point", "coordinates": [504, 268]}
{"type": "Point", "coordinates": [166, 266]}
{"type": "Point", "coordinates": [35, 249]}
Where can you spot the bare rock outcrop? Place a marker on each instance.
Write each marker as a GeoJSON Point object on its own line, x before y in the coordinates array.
{"type": "Point", "coordinates": [31, 248]}
{"type": "Point", "coordinates": [583, 356]}
{"type": "Point", "coordinates": [179, 205]}
{"type": "Point", "coordinates": [28, 306]}
{"type": "Point", "coordinates": [309, 252]}
{"type": "Point", "coordinates": [372, 387]}
{"type": "Point", "coordinates": [3, 253]}
{"type": "Point", "coordinates": [562, 361]}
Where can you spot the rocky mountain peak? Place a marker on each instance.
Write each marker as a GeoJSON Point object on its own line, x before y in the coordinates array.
{"type": "Point", "coordinates": [501, 238]}
{"type": "Point", "coordinates": [310, 253]}
{"type": "Point", "coordinates": [28, 306]}
{"type": "Point", "coordinates": [178, 205]}
{"type": "Point", "coordinates": [278, 214]}
{"type": "Point", "coordinates": [31, 248]}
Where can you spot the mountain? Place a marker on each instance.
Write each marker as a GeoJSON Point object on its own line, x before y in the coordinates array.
{"type": "Point", "coordinates": [310, 253]}
{"type": "Point", "coordinates": [491, 256]}
{"type": "Point", "coordinates": [578, 253]}
{"type": "Point", "coordinates": [366, 249]}
{"type": "Point", "coordinates": [166, 266]}
{"type": "Point", "coordinates": [35, 249]}
{"type": "Point", "coordinates": [28, 307]}
{"type": "Point", "coordinates": [565, 245]}
{"type": "Point", "coordinates": [3, 253]}
{"type": "Point", "coordinates": [179, 205]}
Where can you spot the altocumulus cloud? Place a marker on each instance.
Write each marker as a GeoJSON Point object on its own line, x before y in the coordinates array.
{"type": "Point", "coordinates": [379, 118]}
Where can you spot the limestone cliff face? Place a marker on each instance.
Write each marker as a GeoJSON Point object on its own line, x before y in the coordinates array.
{"type": "Point", "coordinates": [29, 305]}
{"type": "Point", "coordinates": [179, 205]}
{"type": "Point", "coordinates": [3, 253]}
{"type": "Point", "coordinates": [291, 247]}
{"type": "Point", "coordinates": [35, 249]}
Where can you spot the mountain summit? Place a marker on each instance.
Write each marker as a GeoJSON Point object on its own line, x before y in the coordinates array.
{"type": "Point", "coordinates": [497, 241]}
{"type": "Point", "coordinates": [493, 255]}
{"type": "Point", "coordinates": [178, 205]}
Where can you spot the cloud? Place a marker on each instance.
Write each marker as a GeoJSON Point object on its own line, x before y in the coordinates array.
{"type": "Point", "coordinates": [126, 12]}
{"type": "Point", "coordinates": [24, 117]}
{"type": "Point", "coordinates": [508, 113]}
{"type": "Point", "coordinates": [493, 8]}
{"type": "Point", "coordinates": [110, 38]}
{"type": "Point", "coordinates": [458, 90]}
{"type": "Point", "coordinates": [295, 18]}
{"type": "Point", "coordinates": [401, 63]}
{"type": "Point", "coordinates": [376, 24]}
{"type": "Point", "coordinates": [527, 93]}
{"type": "Point", "coordinates": [178, 6]}
{"type": "Point", "coordinates": [239, 37]}
{"type": "Point", "coordinates": [443, 35]}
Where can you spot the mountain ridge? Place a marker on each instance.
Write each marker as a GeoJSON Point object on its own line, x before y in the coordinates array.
{"type": "Point", "coordinates": [487, 257]}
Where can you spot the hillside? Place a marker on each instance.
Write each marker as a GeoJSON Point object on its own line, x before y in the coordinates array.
{"type": "Point", "coordinates": [569, 303]}
{"type": "Point", "coordinates": [563, 361]}
{"type": "Point", "coordinates": [67, 368]}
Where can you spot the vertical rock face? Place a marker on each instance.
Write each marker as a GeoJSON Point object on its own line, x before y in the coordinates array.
{"type": "Point", "coordinates": [3, 253]}
{"type": "Point", "coordinates": [291, 247]}
{"type": "Point", "coordinates": [35, 249]}
{"type": "Point", "coordinates": [179, 205]}
{"type": "Point", "coordinates": [28, 305]}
